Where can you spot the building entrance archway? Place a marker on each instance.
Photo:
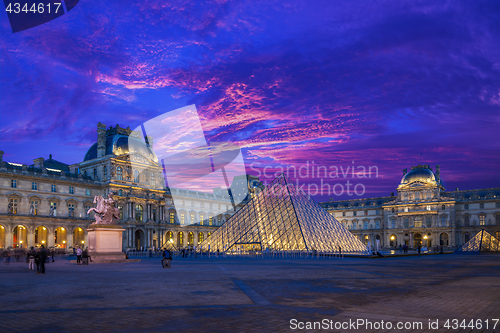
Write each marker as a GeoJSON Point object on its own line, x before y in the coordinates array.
{"type": "Point", "coordinates": [417, 240]}
{"type": "Point", "coordinates": [20, 237]}
{"type": "Point", "coordinates": [443, 239]}
{"type": "Point", "coordinates": [140, 242]}
{"type": "Point", "coordinates": [60, 237]}
{"type": "Point", "coordinates": [393, 240]}
{"type": "Point", "coordinates": [41, 236]}
{"type": "Point", "coordinates": [78, 237]}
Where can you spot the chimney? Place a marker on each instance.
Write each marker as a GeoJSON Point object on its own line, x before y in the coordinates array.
{"type": "Point", "coordinates": [438, 176]}
{"type": "Point", "coordinates": [38, 162]}
{"type": "Point", "coordinates": [405, 171]}
{"type": "Point", "coordinates": [101, 139]}
{"type": "Point", "coordinates": [73, 168]}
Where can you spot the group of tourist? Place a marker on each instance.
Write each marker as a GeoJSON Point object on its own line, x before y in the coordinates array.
{"type": "Point", "coordinates": [82, 256]}
{"type": "Point", "coordinates": [38, 257]}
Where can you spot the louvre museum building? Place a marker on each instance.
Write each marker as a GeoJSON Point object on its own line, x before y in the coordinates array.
{"type": "Point", "coordinates": [422, 213]}
{"type": "Point", "coordinates": [46, 203]}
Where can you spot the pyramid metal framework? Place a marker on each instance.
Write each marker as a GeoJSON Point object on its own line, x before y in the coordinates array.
{"type": "Point", "coordinates": [282, 217]}
{"type": "Point", "coordinates": [483, 241]}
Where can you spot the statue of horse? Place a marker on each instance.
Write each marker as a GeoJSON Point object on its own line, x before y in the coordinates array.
{"type": "Point", "coordinates": [105, 210]}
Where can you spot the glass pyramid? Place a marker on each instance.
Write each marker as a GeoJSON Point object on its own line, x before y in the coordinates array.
{"type": "Point", "coordinates": [483, 241]}
{"type": "Point", "coordinates": [282, 217]}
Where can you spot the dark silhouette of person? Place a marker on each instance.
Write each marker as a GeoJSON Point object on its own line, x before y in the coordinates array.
{"type": "Point", "coordinates": [43, 258]}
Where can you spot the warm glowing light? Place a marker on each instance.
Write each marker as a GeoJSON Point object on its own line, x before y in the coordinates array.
{"type": "Point", "coordinates": [79, 229]}
{"type": "Point", "coordinates": [21, 242]}
{"type": "Point", "coordinates": [64, 242]}
{"type": "Point", "coordinates": [425, 237]}
{"type": "Point", "coordinates": [62, 228]}
{"type": "Point", "coordinates": [392, 237]}
{"type": "Point", "coordinates": [43, 242]}
{"type": "Point", "coordinates": [83, 242]}
{"type": "Point", "coordinates": [44, 228]}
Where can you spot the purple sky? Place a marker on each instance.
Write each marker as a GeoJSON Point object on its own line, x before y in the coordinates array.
{"type": "Point", "coordinates": [381, 83]}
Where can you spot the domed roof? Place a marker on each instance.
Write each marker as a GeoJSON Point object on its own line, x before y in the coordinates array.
{"type": "Point", "coordinates": [423, 175]}
{"type": "Point", "coordinates": [120, 144]}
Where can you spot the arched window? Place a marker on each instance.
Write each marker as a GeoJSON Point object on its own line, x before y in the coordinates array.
{"type": "Point", "coordinates": [170, 236]}
{"type": "Point", "coordinates": [119, 173]}
{"type": "Point", "coordinates": [190, 238]}
{"type": "Point", "coordinates": [120, 192]}
{"type": "Point", "coordinates": [172, 216]}
{"type": "Point", "coordinates": [105, 173]}
{"type": "Point", "coordinates": [152, 179]}
{"type": "Point", "coordinates": [180, 239]}
{"type": "Point", "coordinates": [120, 208]}
{"type": "Point", "coordinates": [136, 176]}
{"type": "Point", "coordinates": [138, 213]}
{"type": "Point", "coordinates": [200, 237]}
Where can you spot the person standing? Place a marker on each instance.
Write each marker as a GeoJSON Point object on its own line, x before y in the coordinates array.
{"type": "Point", "coordinates": [43, 258]}
{"type": "Point", "coordinates": [52, 252]}
{"type": "Point", "coordinates": [79, 255]}
{"type": "Point", "coordinates": [37, 260]}
{"type": "Point", "coordinates": [31, 258]}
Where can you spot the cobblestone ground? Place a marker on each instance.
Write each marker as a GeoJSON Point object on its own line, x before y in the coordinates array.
{"type": "Point", "coordinates": [250, 294]}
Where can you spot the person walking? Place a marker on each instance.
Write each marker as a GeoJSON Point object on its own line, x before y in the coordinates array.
{"type": "Point", "coordinates": [37, 260]}
{"type": "Point", "coordinates": [43, 258]}
{"type": "Point", "coordinates": [31, 258]}
{"type": "Point", "coordinates": [419, 249]}
{"type": "Point", "coordinates": [79, 255]}
{"type": "Point", "coordinates": [52, 252]}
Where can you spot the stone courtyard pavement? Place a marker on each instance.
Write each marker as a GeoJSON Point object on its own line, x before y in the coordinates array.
{"type": "Point", "coordinates": [251, 294]}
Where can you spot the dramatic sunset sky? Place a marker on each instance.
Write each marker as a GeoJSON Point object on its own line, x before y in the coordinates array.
{"type": "Point", "coordinates": [367, 83]}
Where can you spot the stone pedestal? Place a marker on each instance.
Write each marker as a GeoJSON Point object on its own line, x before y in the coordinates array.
{"type": "Point", "coordinates": [105, 243]}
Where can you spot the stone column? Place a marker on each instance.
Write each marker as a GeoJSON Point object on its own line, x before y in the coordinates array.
{"type": "Point", "coordinates": [50, 236]}
{"type": "Point", "coordinates": [133, 237]}
{"type": "Point", "coordinates": [69, 239]}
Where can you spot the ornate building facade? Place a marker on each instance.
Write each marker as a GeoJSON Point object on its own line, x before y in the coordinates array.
{"type": "Point", "coordinates": [47, 202]}
{"type": "Point", "coordinates": [422, 213]}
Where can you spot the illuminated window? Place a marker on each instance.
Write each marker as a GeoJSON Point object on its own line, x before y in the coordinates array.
{"type": "Point", "coordinates": [53, 208]}
{"type": "Point", "coordinates": [481, 220]}
{"type": "Point", "coordinates": [428, 207]}
{"type": "Point", "coordinates": [120, 208]}
{"type": "Point", "coordinates": [172, 217]}
{"type": "Point", "coordinates": [183, 218]}
{"type": "Point", "coordinates": [13, 206]}
{"type": "Point", "coordinates": [200, 237]}
{"type": "Point", "coordinates": [192, 218]}
{"type": "Point", "coordinates": [418, 223]}
{"type": "Point", "coordinates": [119, 173]}
{"type": "Point", "coordinates": [210, 220]}
{"type": "Point", "coordinates": [138, 213]}
{"type": "Point", "coordinates": [34, 207]}
{"type": "Point", "coordinates": [201, 219]}
{"type": "Point", "coordinates": [190, 238]}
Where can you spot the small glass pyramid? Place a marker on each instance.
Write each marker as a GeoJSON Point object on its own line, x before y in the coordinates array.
{"type": "Point", "coordinates": [282, 217]}
{"type": "Point", "coordinates": [483, 241]}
